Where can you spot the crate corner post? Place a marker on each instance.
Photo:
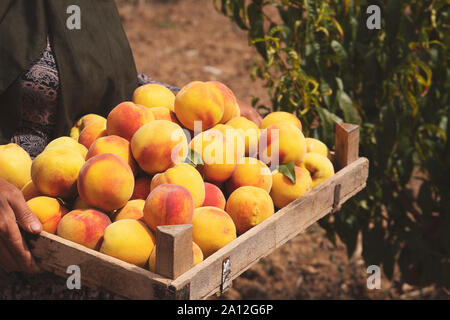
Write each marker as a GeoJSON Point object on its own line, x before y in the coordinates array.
{"type": "Point", "coordinates": [174, 255]}
{"type": "Point", "coordinates": [346, 144]}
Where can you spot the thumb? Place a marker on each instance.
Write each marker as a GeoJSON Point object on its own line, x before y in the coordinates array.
{"type": "Point", "coordinates": [26, 219]}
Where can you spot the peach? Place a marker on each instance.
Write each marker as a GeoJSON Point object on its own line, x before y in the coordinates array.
{"type": "Point", "coordinates": [236, 112]}
{"type": "Point", "coordinates": [197, 254]}
{"type": "Point", "coordinates": [30, 191]}
{"type": "Point", "coordinates": [214, 196]}
{"type": "Point", "coordinates": [278, 117]}
{"type": "Point", "coordinates": [168, 204]}
{"type": "Point", "coordinates": [288, 139]}
{"type": "Point", "coordinates": [319, 167]}
{"type": "Point", "coordinates": [199, 101]}
{"type": "Point", "coordinates": [284, 191]}
{"type": "Point", "coordinates": [141, 188]}
{"type": "Point", "coordinates": [126, 118]}
{"type": "Point", "coordinates": [55, 172]}
{"type": "Point", "coordinates": [229, 101]}
{"type": "Point", "coordinates": [128, 240]}
{"type": "Point", "coordinates": [134, 209]}
{"type": "Point", "coordinates": [248, 206]}
{"type": "Point", "coordinates": [232, 134]}
{"type": "Point", "coordinates": [91, 133]}
{"type": "Point", "coordinates": [316, 146]}
{"type": "Point", "coordinates": [183, 175]}
{"type": "Point", "coordinates": [159, 145]}
{"type": "Point", "coordinates": [219, 154]}
{"type": "Point", "coordinates": [67, 142]}
{"type": "Point", "coordinates": [80, 204]}
{"type": "Point", "coordinates": [115, 145]}
{"type": "Point", "coordinates": [212, 229]}
{"type": "Point", "coordinates": [85, 227]}
{"type": "Point", "coordinates": [106, 182]}
{"type": "Point", "coordinates": [249, 131]}
{"type": "Point", "coordinates": [161, 113]}
{"type": "Point", "coordinates": [153, 95]}
{"type": "Point", "coordinates": [251, 172]}
{"type": "Point", "coordinates": [49, 212]}
{"type": "Point", "coordinates": [15, 165]}
{"type": "Point", "coordinates": [83, 122]}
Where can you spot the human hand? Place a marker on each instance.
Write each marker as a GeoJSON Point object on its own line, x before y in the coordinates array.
{"type": "Point", "coordinates": [249, 112]}
{"type": "Point", "coordinates": [14, 212]}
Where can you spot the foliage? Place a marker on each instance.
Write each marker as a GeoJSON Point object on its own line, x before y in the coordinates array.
{"type": "Point", "coordinates": [321, 61]}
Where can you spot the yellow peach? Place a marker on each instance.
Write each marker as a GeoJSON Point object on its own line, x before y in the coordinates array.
{"type": "Point", "coordinates": [319, 167]}
{"type": "Point", "coordinates": [159, 145]}
{"type": "Point", "coordinates": [67, 142]}
{"type": "Point", "coordinates": [284, 191]}
{"type": "Point", "coordinates": [214, 196]}
{"type": "Point", "coordinates": [154, 95]}
{"type": "Point", "coordinates": [168, 204]}
{"type": "Point", "coordinates": [115, 145]}
{"type": "Point", "coordinates": [91, 133]}
{"type": "Point", "coordinates": [219, 154]}
{"type": "Point", "coordinates": [49, 212]}
{"type": "Point", "coordinates": [249, 131]}
{"type": "Point", "coordinates": [278, 117]}
{"type": "Point", "coordinates": [236, 112]}
{"type": "Point", "coordinates": [134, 209]}
{"type": "Point", "coordinates": [251, 172]}
{"type": "Point", "coordinates": [80, 204]}
{"type": "Point", "coordinates": [30, 191]}
{"type": "Point", "coordinates": [106, 182]}
{"type": "Point", "coordinates": [229, 101]}
{"type": "Point", "coordinates": [126, 118]}
{"type": "Point", "coordinates": [212, 229]}
{"type": "Point", "coordinates": [85, 227]}
{"type": "Point", "coordinates": [283, 142]}
{"type": "Point", "coordinates": [55, 172]}
{"type": "Point", "coordinates": [161, 113]}
{"type": "Point", "coordinates": [183, 175]}
{"type": "Point", "coordinates": [15, 165]}
{"type": "Point", "coordinates": [316, 146]}
{"type": "Point", "coordinates": [199, 101]}
{"type": "Point", "coordinates": [249, 206]}
{"type": "Point", "coordinates": [128, 240]}
{"type": "Point", "coordinates": [233, 135]}
{"type": "Point", "coordinates": [83, 122]}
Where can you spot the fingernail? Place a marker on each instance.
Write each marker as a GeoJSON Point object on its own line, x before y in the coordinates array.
{"type": "Point", "coordinates": [35, 226]}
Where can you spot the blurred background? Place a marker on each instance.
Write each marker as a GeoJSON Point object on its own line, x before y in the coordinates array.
{"type": "Point", "coordinates": [179, 41]}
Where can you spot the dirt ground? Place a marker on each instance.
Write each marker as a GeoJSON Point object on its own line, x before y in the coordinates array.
{"type": "Point", "coordinates": [179, 41]}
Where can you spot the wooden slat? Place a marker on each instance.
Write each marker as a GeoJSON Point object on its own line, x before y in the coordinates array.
{"type": "Point", "coordinates": [174, 254]}
{"type": "Point", "coordinates": [54, 254]}
{"type": "Point", "coordinates": [205, 278]}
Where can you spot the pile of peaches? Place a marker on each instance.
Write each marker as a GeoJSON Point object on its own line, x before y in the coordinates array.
{"type": "Point", "coordinates": [166, 159]}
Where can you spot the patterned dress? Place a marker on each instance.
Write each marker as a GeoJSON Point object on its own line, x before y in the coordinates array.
{"type": "Point", "coordinates": [40, 87]}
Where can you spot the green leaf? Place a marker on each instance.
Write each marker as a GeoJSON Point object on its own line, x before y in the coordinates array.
{"type": "Point", "coordinates": [288, 170]}
{"type": "Point", "coordinates": [328, 121]}
{"type": "Point", "coordinates": [346, 104]}
{"type": "Point", "coordinates": [340, 51]}
{"type": "Point", "coordinates": [194, 158]}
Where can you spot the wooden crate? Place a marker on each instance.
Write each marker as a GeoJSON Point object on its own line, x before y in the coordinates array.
{"type": "Point", "coordinates": [215, 273]}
